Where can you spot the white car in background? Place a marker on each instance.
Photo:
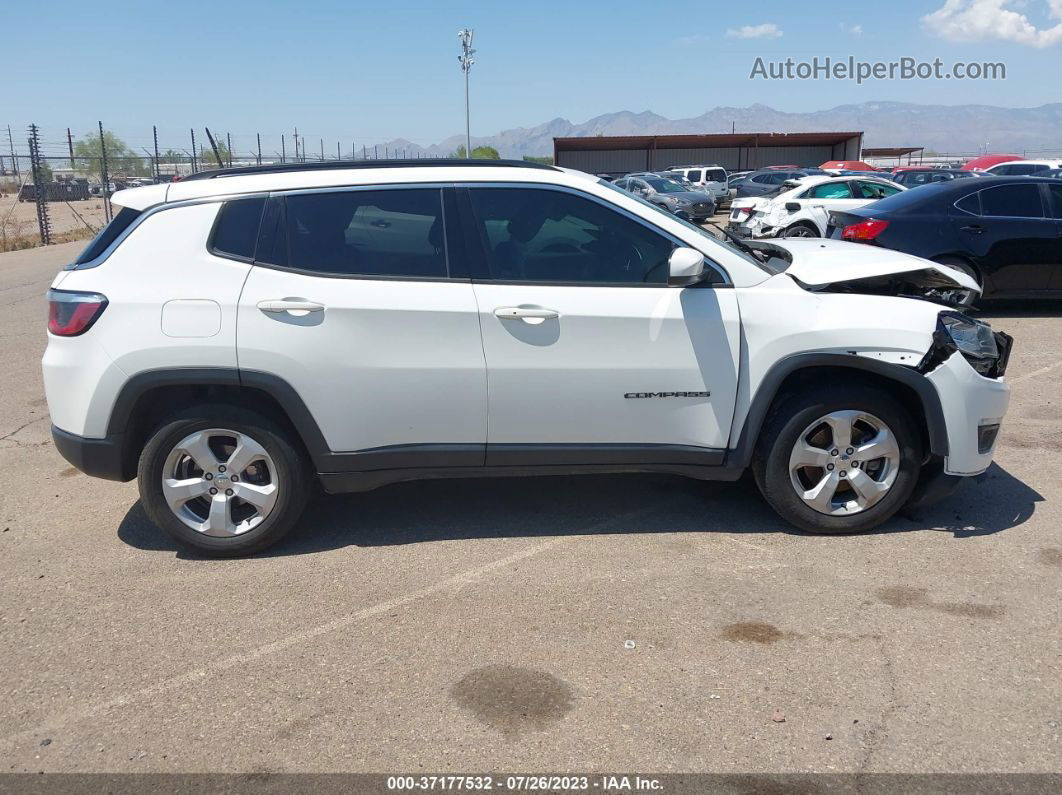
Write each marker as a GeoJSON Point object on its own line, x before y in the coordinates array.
{"type": "Point", "coordinates": [801, 207]}
{"type": "Point", "coordinates": [710, 179]}
{"type": "Point", "coordinates": [1018, 168]}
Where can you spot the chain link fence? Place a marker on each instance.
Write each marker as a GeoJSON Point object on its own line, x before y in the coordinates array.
{"type": "Point", "coordinates": [55, 189]}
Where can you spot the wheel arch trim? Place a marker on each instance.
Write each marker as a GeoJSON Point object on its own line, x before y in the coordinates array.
{"type": "Point", "coordinates": [741, 454]}
{"type": "Point", "coordinates": [280, 390]}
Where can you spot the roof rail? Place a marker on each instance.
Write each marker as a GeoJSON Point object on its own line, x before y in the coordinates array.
{"type": "Point", "coordinates": [330, 165]}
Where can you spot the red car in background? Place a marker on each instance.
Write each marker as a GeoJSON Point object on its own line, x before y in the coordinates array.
{"type": "Point", "coordinates": [987, 161]}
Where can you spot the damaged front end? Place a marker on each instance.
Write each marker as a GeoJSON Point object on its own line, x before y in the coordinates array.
{"type": "Point", "coordinates": [987, 351]}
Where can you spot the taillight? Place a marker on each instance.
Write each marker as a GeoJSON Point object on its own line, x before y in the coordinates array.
{"type": "Point", "coordinates": [71, 313]}
{"type": "Point", "coordinates": [864, 230]}
{"type": "Point", "coordinates": [743, 210]}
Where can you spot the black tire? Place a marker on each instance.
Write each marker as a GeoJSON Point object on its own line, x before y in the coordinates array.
{"type": "Point", "coordinates": [801, 230]}
{"type": "Point", "coordinates": [796, 411]}
{"type": "Point", "coordinates": [964, 298]}
{"type": "Point", "coordinates": [293, 475]}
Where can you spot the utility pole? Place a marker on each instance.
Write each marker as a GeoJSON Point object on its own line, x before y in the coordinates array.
{"type": "Point", "coordinates": [283, 151]}
{"type": "Point", "coordinates": [228, 143]}
{"type": "Point", "coordinates": [214, 146]}
{"type": "Point", "coordinates": [14, 159]}
{"type": "Point", "coordinates": [39, 188]}
{"type": "Point", "coordinates": [158, 166]}
{"type": "Point", "coordinates": [466, 60]}
{"type": "Point", "coordinates": [194, 167]}
{"type": "Point", "coordinates": [259, 136]}
{"type": "Point", "coordinates": [104, 176]}
{"type": "Point", "coordinates": [296, 144]}
{"type": "Point", "coordinates": [322, 150]}
{"type": "Point", "coordinates": [338, 156]}
{"type": "Point", "coordinates": [70, 145]}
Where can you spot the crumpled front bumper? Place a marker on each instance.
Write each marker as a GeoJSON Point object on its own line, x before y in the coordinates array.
{"type": "Point", "coordinates": [972, 405]}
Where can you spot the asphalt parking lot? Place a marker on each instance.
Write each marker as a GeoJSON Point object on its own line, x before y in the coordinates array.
{"type": "Point", "coordinates": [638, 623]}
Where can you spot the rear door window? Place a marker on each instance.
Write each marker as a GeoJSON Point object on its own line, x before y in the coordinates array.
{"type": "Point", "coordinates": [830, 190]}
{"type": "Point", "coordinates": [970, 204]}
{"type": "Point", "coordinates": [715, 174]}
{"type": "Point", "coordinates": [382, 233]}
{"type": "Point", "coordinates": [1012, 201]}
{"type": "Point", "coordinates": [694, 175]}
{"type": "Point", "coordinates": [1056, 200]}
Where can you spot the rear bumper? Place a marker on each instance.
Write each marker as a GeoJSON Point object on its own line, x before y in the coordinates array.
{"type": "Point", "coordinates": [100, 458]}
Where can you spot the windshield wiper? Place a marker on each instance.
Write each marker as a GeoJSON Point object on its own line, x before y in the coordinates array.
{"type": "Point", "coordinates": [739, 242]}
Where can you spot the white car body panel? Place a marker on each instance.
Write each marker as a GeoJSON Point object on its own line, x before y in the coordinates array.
{"type": "Point", "coordinates": [139, 279]}
{"type": "Point", "coordinates": [819, 262]}
{"type": "Point", "coordinates": [385, 363]}
{"type": "Point", "coordinates": [564, 380]}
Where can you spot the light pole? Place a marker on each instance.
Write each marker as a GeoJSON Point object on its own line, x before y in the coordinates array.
{"type": "Point", "coordinates": [466, 60]}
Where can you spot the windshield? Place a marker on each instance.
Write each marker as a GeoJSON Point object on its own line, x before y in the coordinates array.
{"type": "Point", "coordinates": [665, 186]}
{"type": "Point", "coordinates": [690, 225]}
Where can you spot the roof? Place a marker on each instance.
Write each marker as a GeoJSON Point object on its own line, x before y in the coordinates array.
{"type": "Point", "coordinates": [372, 172]}
{"type": "Point", "coordinates": [721, 140]}
{"type": "Point", "coordinates": [891, 151]}
{"type": "Point", "coordinates": [848, 165]}
{"type": "Point", "coordinates": [325, 165]}
{"type": "Point", "coordinates": [987, 161]}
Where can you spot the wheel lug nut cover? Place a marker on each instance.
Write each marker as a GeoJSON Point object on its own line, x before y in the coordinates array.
{"type": "Point", "coordinates": [228, 492]}
{"type": "Point", "coordinates": [213, 491]}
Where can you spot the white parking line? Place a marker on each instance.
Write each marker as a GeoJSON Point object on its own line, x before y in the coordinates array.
{"type": "Point", "coordinates": [243, 658]}
{"type": "Point", "coordinates": [1035, 373]}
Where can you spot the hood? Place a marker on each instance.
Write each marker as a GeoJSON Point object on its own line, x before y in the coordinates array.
{"type": "Point", "coordinates": [696, 196]}
{"type": "Point", "coordinates": [819, 264]}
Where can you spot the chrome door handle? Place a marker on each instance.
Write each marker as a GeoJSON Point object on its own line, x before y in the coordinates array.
{"type": "Point", "coordinates": [290, 305]}
{"type": "Point", "coordinates": [525, 313]}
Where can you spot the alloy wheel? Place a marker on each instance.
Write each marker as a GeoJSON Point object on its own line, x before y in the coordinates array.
{"type": "Point", "coordinates": [844, 462]}
{"type": "Point", "coordinates": [220, 482]}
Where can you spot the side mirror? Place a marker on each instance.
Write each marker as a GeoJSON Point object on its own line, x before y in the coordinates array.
{"type": "Point", "coordinates": [685, 267]}
{"type": "Point", "coordinates": [792, 206]}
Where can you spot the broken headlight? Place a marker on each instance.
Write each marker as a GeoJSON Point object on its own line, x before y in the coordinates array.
{"type": "Point", "coordinates": [987, 351]}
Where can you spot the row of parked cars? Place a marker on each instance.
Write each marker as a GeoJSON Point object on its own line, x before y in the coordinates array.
{"type": "Point", "coordinates": [1001, 226]}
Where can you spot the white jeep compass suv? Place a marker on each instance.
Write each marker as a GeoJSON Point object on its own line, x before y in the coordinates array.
{"type": "Point", "coordinates": [233, 337]}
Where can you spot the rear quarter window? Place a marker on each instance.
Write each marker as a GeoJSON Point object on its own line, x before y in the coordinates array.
{"type": "Point", "coordinates": [119, 223]}
{"type": "Point", "coordinates": [236, 229]}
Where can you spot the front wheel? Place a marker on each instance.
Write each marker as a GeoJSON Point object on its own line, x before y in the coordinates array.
{"type": "Point", "coordinates": [838, 459]}
{"type": "Point", "coordinates": [225, 481]}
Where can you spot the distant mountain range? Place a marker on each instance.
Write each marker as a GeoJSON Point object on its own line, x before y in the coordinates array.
{"type": "Point", "coordinates": [941, 128]}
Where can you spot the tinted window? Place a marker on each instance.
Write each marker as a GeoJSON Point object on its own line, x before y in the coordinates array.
{"type": "Point", "coordinates": [367, 233]}
{"type": "Point", "coordinates": [763, 179]}
{"type": "Point", "coordinates": [236, 230]}
{"type": "Point", "coordinates": [1015, 201]}
{"type": "Point", "coordinates": [715, 174]}
{"type": "Point", "coordinates": [970, 204]}
{"type": "Point", "coordinates": [694, 176]}
{"type": "Point", "coordinates": [108, 235]}
{"type": "Point", "coordinates": [1023, 169]}
{"type": "Point", "coordinates": [876, 190]}
{"type": "Point", "coordinates": [552, 236]}
{"type": "Point", "coordinates": [830, 190]}
{"type": "Point", "coordinates": [1056, 199]}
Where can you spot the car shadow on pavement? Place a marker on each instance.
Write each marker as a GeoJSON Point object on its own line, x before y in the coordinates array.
{"type": "Point", "coordinates": [447, 510]}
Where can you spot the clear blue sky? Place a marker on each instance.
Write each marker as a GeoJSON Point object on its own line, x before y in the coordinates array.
{"type": "Point", "coordinates": [375, 71]}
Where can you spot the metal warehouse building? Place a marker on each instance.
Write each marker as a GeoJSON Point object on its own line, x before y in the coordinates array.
{"type": "Point", "coordinates": [732, 151]}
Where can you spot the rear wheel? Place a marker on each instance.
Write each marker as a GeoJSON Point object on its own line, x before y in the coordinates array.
{"type": "Point", "coordinates": [225, 481]}
{"type": "Point", "coordinates": [800, 230]}
{"type": "Point", "coordinates": [838, 459]}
